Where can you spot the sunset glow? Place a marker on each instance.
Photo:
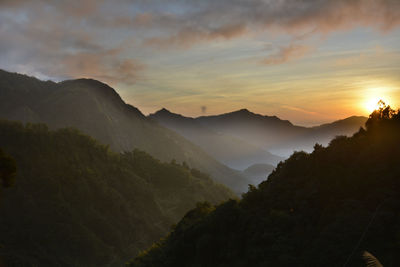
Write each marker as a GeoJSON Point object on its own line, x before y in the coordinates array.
{"type": "Point", "coordinates": [309, 62]}
{"type": "Point", "coordinates": [373, 103]}
{"type": "Point", "coordinates": [374, 94]}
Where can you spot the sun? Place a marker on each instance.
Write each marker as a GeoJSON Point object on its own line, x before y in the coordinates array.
{"type": "Point", "coordinates": [373, 103]}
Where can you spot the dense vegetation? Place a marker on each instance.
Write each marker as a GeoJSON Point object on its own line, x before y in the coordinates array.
{"type": "Point", "coordinates": [7, 170]}
{"type": "Point", "coordinates": [319, 209]}
{"type": "Point", "coordinates": [76, 203]}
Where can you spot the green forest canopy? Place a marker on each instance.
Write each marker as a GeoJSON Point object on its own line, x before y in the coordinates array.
{"type": "Point", "coordinates": [8, 169]}
{"type": "Point", "coordinates": [76, 203]}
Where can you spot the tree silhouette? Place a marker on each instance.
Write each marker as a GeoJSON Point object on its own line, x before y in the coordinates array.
{"type": "Point", "coordinates": [384, 113]}
{"type": "Point", "coordinates": [8, 169]}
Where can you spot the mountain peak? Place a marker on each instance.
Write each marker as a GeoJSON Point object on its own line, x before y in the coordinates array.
{"type": "Point", "coordinates": [92, 83]}
{"type": "Point", "coordinates": [243, 111]}
{"type": "Point", "coordinates": [163, 111]}
{"type": "Point", "coordinates": [240, 112]}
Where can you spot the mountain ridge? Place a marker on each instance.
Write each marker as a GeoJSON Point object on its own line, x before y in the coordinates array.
{"type": "Point", "coordinates": [234, 152]}
{"type": "Point", "coordinates": [96, 109]}
{"type": "Point", "coordinates": [268, 133]}
{"type": "Point", "coordinates": [247, 111]}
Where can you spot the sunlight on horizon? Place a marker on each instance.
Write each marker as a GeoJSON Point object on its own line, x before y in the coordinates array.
{"type": "Point", "coordinates": [373, 103]}
{"type": "Point", "coordinates": [373, 95]}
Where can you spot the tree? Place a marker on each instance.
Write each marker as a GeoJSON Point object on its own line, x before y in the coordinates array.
{"type": "Point", "coordinates": [8, 169]}
{"type": "Point", "coordinates": [382, 113]}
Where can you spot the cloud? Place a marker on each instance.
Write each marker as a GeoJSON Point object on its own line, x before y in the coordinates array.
{"type": "Point", "coordinates": [226, 15]}
{"type": "Point", "coordinates": [185, 38]}
{"type": "Point", "coordinates": [286, 53]}
{"type": "Point", "coordinates": [229, 19]}
{"type": "Point", "coordinates": [297, 109]}
{"type": "Point", "coordinates": [102, 66]}
{"type": "Point", "coordinates": [72, 8]}
{"type": "Point", "coordinates": [54, 45]}
{"type": "Point", "coordinates": [80, 35]}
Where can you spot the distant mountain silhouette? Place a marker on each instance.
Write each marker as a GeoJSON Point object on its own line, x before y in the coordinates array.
{"type": "Point", "coordinates": [96, 109]}
{"type": "Point", "coordinates": [276, 135]}
{"type": "Point", "coordinates": [232, 151]}
{"type": "Point", "coordinates": [323, 134]}
{"type": "Point", "coordinates": [242, 138]}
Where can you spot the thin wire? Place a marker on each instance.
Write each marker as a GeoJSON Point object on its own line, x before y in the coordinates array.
{"type": "Point", "coordinates": [363, 234]}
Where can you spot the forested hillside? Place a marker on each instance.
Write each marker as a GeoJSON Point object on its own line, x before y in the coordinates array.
{"type": "Point", "coordinates": [77, 203]}
{"type": "Point", "coordinates": [319, 209]}
{"type": "Point", "coordinates": [96, 109]}
{"type": "Point", "coordinates": [7, 171]}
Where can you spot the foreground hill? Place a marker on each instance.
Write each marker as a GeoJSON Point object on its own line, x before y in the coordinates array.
{"type": "Point", "coordinates": [96, 109]}
{"type": "Point", "coordinates": [76, 203]}
{"type": "Point", "coordinates": [319, 209]}
{"type": "Point", "coordinates": [234, 152]}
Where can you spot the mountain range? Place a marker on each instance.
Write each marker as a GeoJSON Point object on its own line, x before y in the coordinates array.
{"type": "Point", "coordinates": [274, 134]}
{"type": "Point", "coordinates": [97, 110]}
{"type": "Point", "coordinates": [221, 145]}
{"type": "Point", "coordinates": [242, 138]}
{"type": "Point", "coordinates": [235, 152]}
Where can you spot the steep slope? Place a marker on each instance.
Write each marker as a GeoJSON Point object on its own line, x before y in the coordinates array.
{"type": "Point", "coordinates": [234, 152]}
{"type": "Point", "coordinates": [97, 110]}
{"type": "Point", "coordinates": [258, 172]}
{"type": "Point", "coordinates": [76, 203]}
{"type": "Point", "coordinates": [318, 209]}
{"type": "Point", "coordinates": [275, 135]}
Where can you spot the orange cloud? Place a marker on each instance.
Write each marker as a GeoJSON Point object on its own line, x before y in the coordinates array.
{"type": "Point", "coordinates": [299, 110]}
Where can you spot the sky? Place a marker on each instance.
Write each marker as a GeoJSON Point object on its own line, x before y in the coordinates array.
{"type": "Point", "coordinates": [308, 61]}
